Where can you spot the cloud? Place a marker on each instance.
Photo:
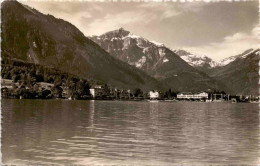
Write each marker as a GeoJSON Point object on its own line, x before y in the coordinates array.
{"type": "Point", "coordinates": [231, 45]}
{"type": "Point", "coordinates": [191, 6]}
{"type": "Point", "coordinates": [76, 13]}
{"type": "Point", "coordinates": [170, 9]}
{"type": "Point", "coordinates": [201, 28]}
{"type": "Point", "coordinates": [164, 10]}
{"type": "Point", "coordinates": [112, 22]}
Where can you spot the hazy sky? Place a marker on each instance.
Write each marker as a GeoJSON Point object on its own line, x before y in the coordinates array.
{"type": "Point", "coordinates": [215, 29]}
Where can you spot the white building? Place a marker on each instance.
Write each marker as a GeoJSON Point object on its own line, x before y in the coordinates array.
{"type": "Point", "coordinates": [189, 95]}
{"type": "Point", "coordinates": [185, 95]}
{"type": "Point", "coordinates": [201, 95]}
{"type": "Point", "coordinates": [154, 94]}
{"type": "Point", "coordinates": [97, 91]}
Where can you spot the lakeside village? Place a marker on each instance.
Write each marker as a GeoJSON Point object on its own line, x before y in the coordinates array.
{"type": "Point", "coordinates": [22, 80]}
{"type": "Point", "coordinates": [43, 90]}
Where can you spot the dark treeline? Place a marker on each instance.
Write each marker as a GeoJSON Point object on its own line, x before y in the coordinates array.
{"type": "Point", "coordinates": [25, 77]}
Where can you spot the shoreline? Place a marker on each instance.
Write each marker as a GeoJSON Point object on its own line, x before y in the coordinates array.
{"type": "Point", "coordinates": [136, 100]}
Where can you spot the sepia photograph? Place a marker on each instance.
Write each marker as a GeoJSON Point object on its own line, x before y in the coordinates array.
{"type": "Point", "coordinates": [130, 83]}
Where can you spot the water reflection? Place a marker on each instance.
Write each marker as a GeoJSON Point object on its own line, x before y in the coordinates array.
{"type": "Point", "coordinates": [142, 133]}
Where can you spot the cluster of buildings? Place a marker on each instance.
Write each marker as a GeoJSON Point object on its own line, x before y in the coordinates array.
{"type": "Point", "coordinates": [99, 92]}
{"type": "Point", "coordinates": [102, 92]}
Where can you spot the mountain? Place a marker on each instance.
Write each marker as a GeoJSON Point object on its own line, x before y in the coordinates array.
{"type": "Point", "coordinates": [196, 60]}
{"type": "Point", "coordinates": [240, 74]}
{"type": "Point", "coordinates": [33, 37]}
{"type": "Point", "coordinates": [202, 63]}
{"type": "Point", "coordinates": [230, 59]}
{"type": "Point", "coordinates": [155, 59]}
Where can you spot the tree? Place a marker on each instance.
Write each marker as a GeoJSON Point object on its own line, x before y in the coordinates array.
{"type": "Point", "coordinates": [170, 93]}
{"type": "Point", "coordinates": [15, 78]}
{"type": "Point", "coordinates": [46, 94]}
{"type": "Point", "coordinates": [56, 91]}
{"type": "Point", "coordinates": [35, 87]}
{"type": "Point", "coordinates": [58, 81]}
{"type": "Point", "coordinates": [5, 92]}
{"type": "Point", "coordinates": [106, 90]}
{"type": "Point", "coordinates": [22, 92]}
{"type": "Point", "coordinates": [82, 88]}
{"type": "Point", "coordinates": [137, 92]}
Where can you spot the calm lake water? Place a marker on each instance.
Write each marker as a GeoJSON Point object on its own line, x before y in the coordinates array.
{"type": "Point", "coordinates": [129, 133]}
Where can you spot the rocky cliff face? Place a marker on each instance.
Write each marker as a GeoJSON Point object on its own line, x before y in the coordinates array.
{"type": "Point", "coordinates": [139, 52]}
{"type": "Point", "coordinates": [31, 36]}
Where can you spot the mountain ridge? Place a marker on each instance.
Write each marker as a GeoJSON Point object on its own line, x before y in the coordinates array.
{"type": "Point", "coordinates": [155, 59]}
{"type": "Point", "coordinates": [241, 76]}
{"type": "Point", "coordinates": [46, 40]}
{"type": "Point", "coordinates": [203, 60]}
{"type": "Point", "coordinates": [118, 57]}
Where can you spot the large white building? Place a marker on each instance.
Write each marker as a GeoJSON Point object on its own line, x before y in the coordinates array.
{"type": "Point", "coordinates": [154, 94]}
{"type": "Point", "coordinates": [185, 95]}
{"type": "Point", "coordinates": [189, 95]}
{"type": "Point", "coordinates": [201, 95]}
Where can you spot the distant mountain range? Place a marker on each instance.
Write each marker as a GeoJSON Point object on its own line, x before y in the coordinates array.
{"type": "Point", "coordinates": [31, 36]}
{"type": "Point", "coordinates": [239, 73]}
{"type": "Point", "coordinates": [204, 61]}
{"type": "Point", "coordinates": [196, 60]}
{"type": "Point", "coordinates": [119, 57]}
{"type": "Point", "coordinates": [156, 60]}
{"type": "Point", "coordinates": [179, 68]}
{"type": "Point", "coordinates": [230, 59]}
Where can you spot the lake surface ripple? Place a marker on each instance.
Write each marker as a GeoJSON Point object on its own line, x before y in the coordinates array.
{"type": "Point", "coordinates": [66, 132]}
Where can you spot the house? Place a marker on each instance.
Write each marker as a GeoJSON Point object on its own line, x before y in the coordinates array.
{"type": "Point", "coordinates": [97, 91]}
{"type": "Point", "coordinates": [154, 94]}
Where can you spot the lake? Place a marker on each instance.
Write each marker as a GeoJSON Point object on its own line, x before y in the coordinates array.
{"type": "Point", "coordinates": [67, 132]}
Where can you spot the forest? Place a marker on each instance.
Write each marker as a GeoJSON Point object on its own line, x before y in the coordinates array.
{"type": "Point", "coordinates": [25, 77]}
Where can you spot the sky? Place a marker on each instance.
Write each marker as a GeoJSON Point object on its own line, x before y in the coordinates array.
{"type": "Point", "coordinates": [215, 29]}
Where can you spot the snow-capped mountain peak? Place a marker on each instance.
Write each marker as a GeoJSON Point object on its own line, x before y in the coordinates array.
{"type": "Point", "coordinates": [228, 60]}
{"type": "Point", "coordinates": [131, 35]}
{"type": "Point", "coordinates": [195, 60]}
{"type": "Point", "coordinates": [154, 59]}
{"type": "Point", "coordinates": [157, 44]}
{"type": "Point", "coordinates": [121, 40]}
{"type": "Point", "coordinates": [136, 50]}
{"type": "Point", "coordinates": [202, 60]}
